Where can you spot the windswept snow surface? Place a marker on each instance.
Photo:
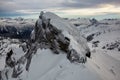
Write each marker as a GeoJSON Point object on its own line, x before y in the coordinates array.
{"type": "Point", "coordinates": [106, 66]}
{"type": "Point", "coordinates": [47, 66]}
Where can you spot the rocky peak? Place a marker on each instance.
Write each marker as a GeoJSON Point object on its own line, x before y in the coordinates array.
{"type": "Point", "coordinates": [50, 32]}
{"type": "Point", "coordinates": [46, 33]}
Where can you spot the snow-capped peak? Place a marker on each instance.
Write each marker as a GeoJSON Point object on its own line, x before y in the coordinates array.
{"type": "Point", "coordinates": [77, 42]}
{"type": "Point", "coordinates": [51, 35]}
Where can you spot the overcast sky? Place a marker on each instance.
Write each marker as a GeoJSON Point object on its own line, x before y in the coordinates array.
{"type": "Point", "coordinates": [63, 8]}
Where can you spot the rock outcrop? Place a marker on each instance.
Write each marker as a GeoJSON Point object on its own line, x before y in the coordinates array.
{"type": "Point", "coordinates": [59, 37]}
{"type": "Point", "coordinates": [48, 34]}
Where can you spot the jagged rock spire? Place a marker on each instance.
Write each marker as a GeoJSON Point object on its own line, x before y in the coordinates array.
{"type": "Point", "coordinates": [49, 35]}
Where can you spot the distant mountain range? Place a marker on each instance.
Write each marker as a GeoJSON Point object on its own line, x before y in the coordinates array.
{"type": "Point", "coordinates": [16, 28]}
{"type": "Point", "coordinates": [21, 28]}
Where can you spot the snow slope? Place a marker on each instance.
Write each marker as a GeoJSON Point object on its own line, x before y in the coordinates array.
{"type": "Point", "coordinates": [104, 47]}
{"type": "Point", "coordinates": [48, 66]}
{"type": "Point", "coordinates": [106, 66]}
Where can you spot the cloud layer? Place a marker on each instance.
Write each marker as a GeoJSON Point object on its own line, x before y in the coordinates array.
{"type": "Point", "coordinates": [22, 7]}
{"type": "Point", "coordinates": [89, 3]}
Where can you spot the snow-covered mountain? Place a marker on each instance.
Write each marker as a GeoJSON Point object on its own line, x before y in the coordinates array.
{"type": "Point", "coordinates": [58, 50]}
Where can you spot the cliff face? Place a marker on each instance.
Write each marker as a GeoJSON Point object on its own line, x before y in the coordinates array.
{"type": "Point", "coordinates": [52, 34]}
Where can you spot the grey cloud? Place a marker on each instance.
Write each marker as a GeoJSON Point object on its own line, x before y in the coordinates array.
{"type": "Point", "coordinates": [13, 6]}
{"type": "Point", "coordinates": [7, 6]}
{"type": "Point", "coordinates": [88, 3]}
